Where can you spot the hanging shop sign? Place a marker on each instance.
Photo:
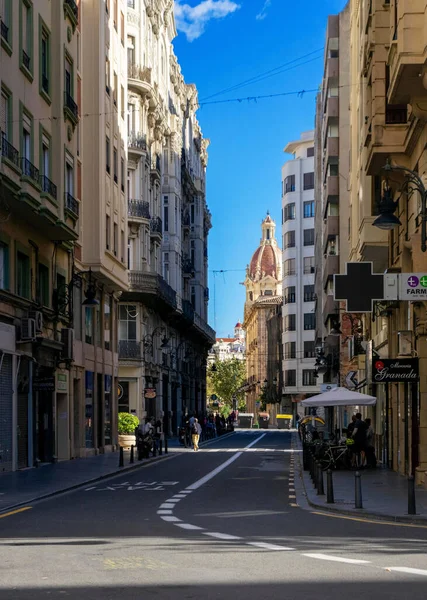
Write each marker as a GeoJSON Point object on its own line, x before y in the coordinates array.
{"type": "Point", "coordinates": [150, 393]}
{"type": "Point", "coordinates": [44, 384]}
{"type": "Point", "coordinates": [412, 286]}
{"type": "Point", "coordinates": [386, 370]}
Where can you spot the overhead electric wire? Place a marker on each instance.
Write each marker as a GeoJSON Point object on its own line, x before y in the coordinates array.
{"type": "Point", "coordinates": [265, 75]}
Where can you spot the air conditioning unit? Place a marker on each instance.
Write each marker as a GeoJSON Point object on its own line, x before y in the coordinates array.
{"type": "Point", "coordinates": [28, 330]}
{"type": "Point", "coordinates": [37, 315]}
{"type": "Point", "coordinates": [67, 339]}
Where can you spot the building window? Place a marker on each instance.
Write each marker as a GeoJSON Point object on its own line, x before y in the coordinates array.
{"type": "Point", "coordinates": [122, 246]}
{"type": "Point", "coordinates": [268, 292]}
{"type": "Point", "coordinates": [107, 322]}
{"type": "Point", "coordinates": [308, 377]}
{"type": "Point", "coordinates": [22, 275]}
{"type": "Point", "coordinates": [107, 76]}
{"type": "Point", "coordinates": [6, 114]}
{"type": "Point", "coordinates": [131, 50]}
{"type": "Point", "coordinates": [43, 295]}
{"type": "Point", "coordinates": [290, 212]}
{"type": "Point", "coordinates": [68, 77]}
{"type": "Point", "coordinates": [310, 152]}
{"type": "Point", "coordinates": [290, 322]}
{"type": "Point", "coordinates": [309, 321]}
{"type": "Point", "coordinates": [290, 266]}
{"type": "Point", "coordinates": [308, 237]}
{"type": "Point", "coordinates": [44, 60]}
{"type": "Point", "coordinates": [4, 266]}
{"type": "Point", "coordinates": [192, 213]}
{"type": "Point", "coordinates": [127, 322]}
{"type": "Point", "coordinates": [45, 157]}
{"type": "Point", "coordinates": [115, 239]}
{"type": "Point", "coordinates": [309, 351]}
{"type": "Point", "coordinates": [115, 14]}
{"type": "Point", "coordinates": [290, 350]}
{"type": "Point", "coordinates": [122, 174]}
{"type": "Point", "coordinates": [122, 102]}
{"type": "Point", "coordinates": [115, 165]}
{"type": "Point", "coordinates": [6, 25]}
{"type": "Point", "coordinates": [309, 295]}
{"type": "Point", "coordinates": [107, 154]}
{"type": "Point", "coordinates": [122, 28]}
{"type": "Point", "coordinates": [193, 297]}
{"type": "Point", "coordinates": [107, 232]}
{"type": "Point", "coordinates": [290, 239]}
{"type": "Point", "coordinates": [309, 209]}
{"type": "Point", "coordinates": [290, 295]}
{"type": "Point", "coordinates": [26, 36]}
{"type": "Point", "coordinates": [291, 378]}
{"type": "Point", "coordinates": [26, 143]}
{"type": "Point", "coordinates": [290, 184]}
{"type": "Point", "coordinates": [166, 266]}
{"type": "Point", "coordinates": [309, 181]}
{"type": "Point", "coordinates": [69, 175]}
{"type": "Point", "coordinates": [308, 265]}
{"type": "Point", "coordinates": [166, 218]}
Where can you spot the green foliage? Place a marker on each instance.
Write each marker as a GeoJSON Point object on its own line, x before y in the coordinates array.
{"type": "Point", "coordinates": [225, 380]}
{"type": "Point", "coordinates": [127, 423]}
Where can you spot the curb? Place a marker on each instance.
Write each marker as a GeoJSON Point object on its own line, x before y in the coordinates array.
{"type": "Point", "coordinates": [380, 517]}
{"type": "Point", "coordinates": [119, 471]}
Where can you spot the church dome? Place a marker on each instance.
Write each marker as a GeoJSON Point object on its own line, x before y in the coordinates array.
{"type": "Point", "coordinates": [266, 260]}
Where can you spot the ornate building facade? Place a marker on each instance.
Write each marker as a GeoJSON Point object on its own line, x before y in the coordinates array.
{"type": "Point", "coordinates": [163, 331]}
{"type": "Point", "coordinates": [229, 347]}
{"type": "Point", "coordinates": [263, 285]}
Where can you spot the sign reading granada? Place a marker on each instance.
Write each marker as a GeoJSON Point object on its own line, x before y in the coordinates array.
{"type": "Point", "coordinates": [385, 370]}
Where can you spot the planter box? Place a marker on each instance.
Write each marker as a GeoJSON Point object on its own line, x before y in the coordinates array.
{"type": "Point", "coordinates": [126, 441]}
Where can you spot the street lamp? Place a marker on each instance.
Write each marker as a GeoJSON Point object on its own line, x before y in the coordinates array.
{"type": "Point", "coordinates": [149, 338]}
{"type": "Point", "coordinates": [413, 183]}
{"type": "Point", "coordinates": [63, 295]}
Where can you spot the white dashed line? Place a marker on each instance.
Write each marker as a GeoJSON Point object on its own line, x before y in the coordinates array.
{"type": "Point", "coordinates": [222, 536]}
{"type": "Point", "coordinates": [171, 519]}
{"type": "Point", "coordinates": [351, 561]}
{"type": "Point", "coordinates": [167, 505]}
{"type": "Point", "coordinates": [407, 570]}
{"type": "Point", "coordinates": [172, 501]}
{"type": "Point", "coordinates": [188, 526]}
{"type": "Point", "coordinates": [266, 546]}
{"type": "Point", "coordinates": [164, 512]}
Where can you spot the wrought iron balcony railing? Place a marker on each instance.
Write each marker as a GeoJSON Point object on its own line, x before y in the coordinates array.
{"type": "Point", "coordinates": [26, 60]}
{"type": "Point", "coordinates": [72, 204]}
{"type": "Point", "coordinates": [48, 186]}
{"type": "Point", "coordinates": [30, 170]}
{"type": "Point", "coordinates": [71, 105]}
{"type": "Point", "coordinates": [130, 349]}
{"type": "Point", "coordinates": [8, 151]}
{"type": "Point", "coordinates": [139, 208]}
{"type": "Point", "coordinates": [138, 140]}
{"type": "Point", "coordinates": [156, 225]}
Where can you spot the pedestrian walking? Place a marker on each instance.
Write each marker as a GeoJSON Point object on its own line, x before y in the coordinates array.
{"type": "Point", "coordinates": [371, 459]}
{"type": "Point", "coordinates": [196, 430]}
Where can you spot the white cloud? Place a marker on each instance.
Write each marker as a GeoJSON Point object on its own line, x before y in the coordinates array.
{"type": "Point", "coordinates": [261, 15]}
{"type": "Point", "coordinates": [192, 20]}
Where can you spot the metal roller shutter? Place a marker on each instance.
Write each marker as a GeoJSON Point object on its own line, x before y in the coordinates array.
{"type": "Point", "coordinates": [6, 399]}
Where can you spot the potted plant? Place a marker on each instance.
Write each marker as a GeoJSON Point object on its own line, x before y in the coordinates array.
{"type": "Point", "coordinates": [127, 424]}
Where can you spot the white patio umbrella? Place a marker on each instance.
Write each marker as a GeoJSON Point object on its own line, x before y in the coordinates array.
{"type": "Point", "coordinates": [340, 397]}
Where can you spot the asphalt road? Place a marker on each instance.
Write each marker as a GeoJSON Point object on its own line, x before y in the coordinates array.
{"type": "Point", "coordinates": [220, 523]}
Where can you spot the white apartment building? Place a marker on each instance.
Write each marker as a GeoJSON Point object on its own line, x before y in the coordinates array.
{"type": "Point", "coordinates": [163, 332]}
{"type": "Point", "coordinates": [299, 319]}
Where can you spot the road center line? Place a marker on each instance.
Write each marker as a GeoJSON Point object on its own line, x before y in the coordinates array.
{"type": "Point", "coordinates": [211, 475]}
{"type": "Point", "coordinates": [266, 546]}
{"type": "Point", "coordinates": [351, 561]}
{"type": "Point", "coordinates": [407, 570]}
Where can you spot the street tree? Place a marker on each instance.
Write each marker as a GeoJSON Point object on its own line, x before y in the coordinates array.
{"type": "Point", "coordinates": [225, 378]}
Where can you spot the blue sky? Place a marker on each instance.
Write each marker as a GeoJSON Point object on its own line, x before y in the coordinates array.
{"type": "Point", "coordinates": [222, 43]}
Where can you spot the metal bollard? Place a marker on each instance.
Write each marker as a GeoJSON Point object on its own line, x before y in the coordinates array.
{"type": "Point", "coordinates": [160, 447]}
{"type": "Point", "coordinates": [320, 487]}
{"type": "Point", "coordinates": [329, 488]}
{"type": "Point", "coordinates": [166, 445]}
{"type": "Point", "coordinates": [132, 459]}
{"type": "Point", "coordinates": [315, 473]}
{"type": "Point", "coordinates": [305, 458]}
{"type": "Point", "coordinates": [412, 509]}
{"type": "Point", "coordinates": [121, 457]}
{"type": "Point", "coordinates": [358, 490]}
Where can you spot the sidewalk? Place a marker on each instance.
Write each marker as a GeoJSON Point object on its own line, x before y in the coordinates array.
{"type": "Point", "coordinates": [384, 492]}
